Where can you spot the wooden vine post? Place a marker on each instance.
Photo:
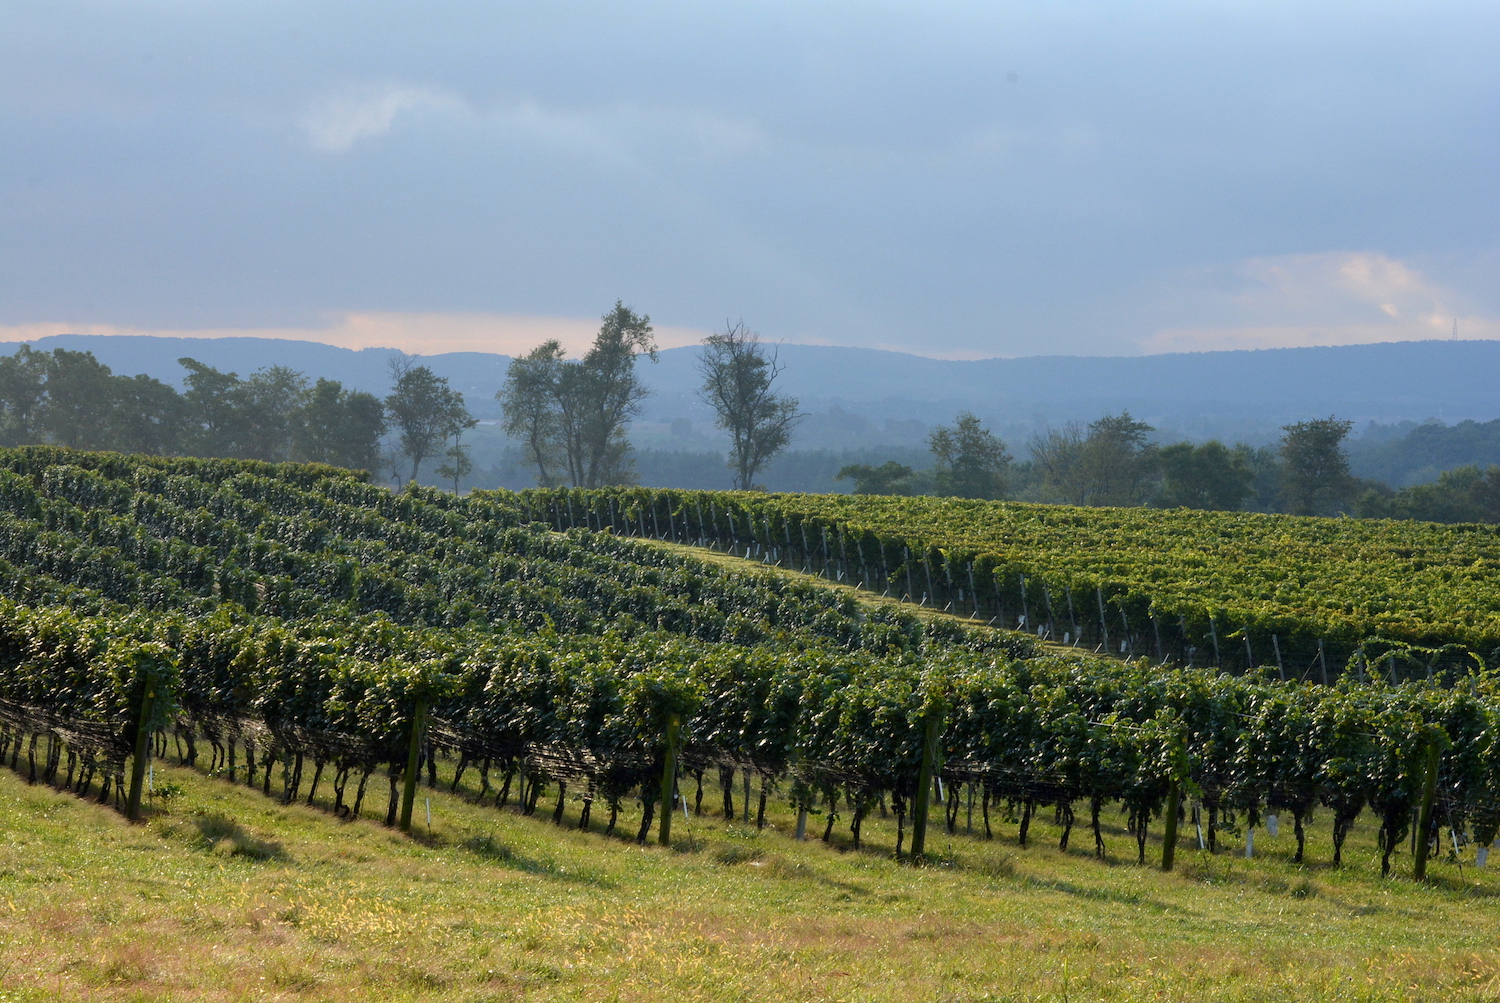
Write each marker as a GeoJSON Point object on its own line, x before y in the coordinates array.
{"type": "Point", "coordinates": [413, 764]}
{"type": "Point", "coordinates": [1174, 805]}
{"type": "Point", "coordinates": [142, 747]}
{"type": "Point", "coordinates": [932, 731]}
{"type": "Point", "coordinates": [669, 778]}
{"type": "Point", "coordinates": [1436, 740]}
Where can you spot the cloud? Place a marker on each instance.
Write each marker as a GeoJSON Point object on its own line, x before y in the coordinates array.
{"type": "Point", "coordinates": [622, 135]}
{"type": "Point", "coordinates": [336, 123]}
{"type": "Point", "coordinates": [1335, 298]}
{"type": "Point", "coordinates": [417, 333]}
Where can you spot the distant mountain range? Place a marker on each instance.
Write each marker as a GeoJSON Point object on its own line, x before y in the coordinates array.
{"type": "Point", "coordinates": [1241, 394]}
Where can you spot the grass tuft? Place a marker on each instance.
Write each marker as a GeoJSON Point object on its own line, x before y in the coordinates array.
{"type": "Point", "coordinates": [737, 853]}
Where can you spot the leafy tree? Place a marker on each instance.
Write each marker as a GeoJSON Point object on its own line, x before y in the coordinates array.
{"type": "Point", "coordinates": [599, 395]}
{"type": "Point", "coordinates": [1118, 464]}
{"type": "Point", "coordinates": [971, 460]}
{"type": "Point", "coordinates": [1265, 468]}
{"type": "Point", "coordinates": [1463, 495]}
{"type": "Point", "coordinates": [738, 376]}
{"type": "Point", "coordinates": [1110, 465]}
{"type": "Point", "coordinates": [23, 389]}
{"type": "Point", "coordinates": [1316, 476]}
{"type": "Point", "coordinates": [80, 399]}
{"type": "Point", "coordinates": [341, 427]}
{"type": "Point", "coordinates": [529, 400]}
{"type": "Point", "coordinates": [147, 416]}
{"type": "Point", "coordinates": [267, 406]}
{"type": "Point", "coordinates": [1210, 476]}
{"type": "Point", "coordinates": [212, 404]}
{"type": "Point", "coordinates": [890, 478]}
{"type": "Point", "coordinates": [424, 410]}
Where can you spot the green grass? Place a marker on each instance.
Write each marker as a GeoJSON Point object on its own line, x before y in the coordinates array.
{"type": "Point", "coordinates": [224, 894]}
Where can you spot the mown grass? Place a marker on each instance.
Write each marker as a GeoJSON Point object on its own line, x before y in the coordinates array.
{"type": "Point", "coordinates": [224, 894]}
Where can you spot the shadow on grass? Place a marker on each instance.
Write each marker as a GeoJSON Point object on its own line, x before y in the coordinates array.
{"type": "Point", "coordinates": [225, 837]}
{"type": "Point", "coordinates": [489, 849]}
{"type": "Point", "coordinates": [1457, 885]}
{"type": "Point", "coordinates": [1102, 894]}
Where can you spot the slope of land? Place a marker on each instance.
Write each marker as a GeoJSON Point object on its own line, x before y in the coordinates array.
{"type": "Point", "coordinates": [293, 643]}
{"type": "Point", "coordinates": [224, 894]}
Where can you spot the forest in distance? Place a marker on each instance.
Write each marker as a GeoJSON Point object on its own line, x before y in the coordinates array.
{"type": "Point", "coordinates": [423, 431]}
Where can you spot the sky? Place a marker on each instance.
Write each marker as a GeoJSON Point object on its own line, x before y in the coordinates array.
{"type": "Point", "coordinates": [952, 180]}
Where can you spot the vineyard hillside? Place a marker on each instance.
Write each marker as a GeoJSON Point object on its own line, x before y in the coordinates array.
{"type": "Point", "coordinates": [191, 642]}
{"type": "Point", "coordinates": [1302, 594]}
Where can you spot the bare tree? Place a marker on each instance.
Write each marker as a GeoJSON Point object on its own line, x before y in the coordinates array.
{"type": "Point", "coordinates": [738, 377]}
{"type": "Point", "coordinates": [458, 465]}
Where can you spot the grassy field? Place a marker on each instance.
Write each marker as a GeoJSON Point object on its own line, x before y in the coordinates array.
{"type": "Point", "coordinates": [227, 895]}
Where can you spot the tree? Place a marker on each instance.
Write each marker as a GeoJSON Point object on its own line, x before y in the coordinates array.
{"type": "Point", "coordinates": [1118, 464]}
{"type": "Point", "coordinates": [599, 395]}
{"type": "Point", "coordinates": [1316, 475]}
{"type": "Point", "coordinates": [1265, 476]}
{"type": "Point", "coordinates": [1110, 465]}
{"type": "Point", "coordinates": [267, 406]}
{"type": "Point", "coordinates": [390, 463]}
{"type": "Point", "coordinates": [147, 416]}
{"type": "Point", "coordinates": [23, 389]}
{"type": "Point", "coordinates": [424, 410]}
{"type": "Point", "coordinates": [971, 460]}
{"type": "Point", "coordinates": [1466, 494]}
{"type": "Point", "coordinates": [737, 383]}
{"type": "Point", "coordinates": [890, 478]}
{"type": "Point", "coordinates": [1210, 476]}
{"type": "Point", "coordinates": [340, 427]}
{"type": "Point", "coordinates": [211, 406]}
{"type": "Point", "coordinates": [529, 400]}
{"type": "Point", "coordinates": [80, 400]}
{"type": "Point", "coordinates": [458, 465]}
{"type": "Point", "coordinates": [1057, 457]}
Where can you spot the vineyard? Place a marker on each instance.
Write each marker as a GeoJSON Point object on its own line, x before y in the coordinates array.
{"type": "Point", "coordinates": [291, 626]}
{"type": "Point", "coordinates": [1310, 598]}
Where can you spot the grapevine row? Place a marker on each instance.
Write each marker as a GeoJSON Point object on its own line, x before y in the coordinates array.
{"type": "Point", "coordinates": [1308, 598]}
{"type": "Point", "coordinates": [309, 631]}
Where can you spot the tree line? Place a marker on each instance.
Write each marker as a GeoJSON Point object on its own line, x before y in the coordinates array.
{"type": "Point", "coordinates": [1111, 462]}
{"type": "Point", "coordinates": [70, 398]}
{"type": "Point", "coordinates": [571, 416]}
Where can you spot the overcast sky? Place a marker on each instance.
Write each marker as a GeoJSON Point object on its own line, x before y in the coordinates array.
{"type": "Point", "coordinates": [953, 180]}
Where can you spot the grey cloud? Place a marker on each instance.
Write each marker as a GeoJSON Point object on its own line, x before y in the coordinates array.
{"type": "Point", "coordinates": [849, 173]}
